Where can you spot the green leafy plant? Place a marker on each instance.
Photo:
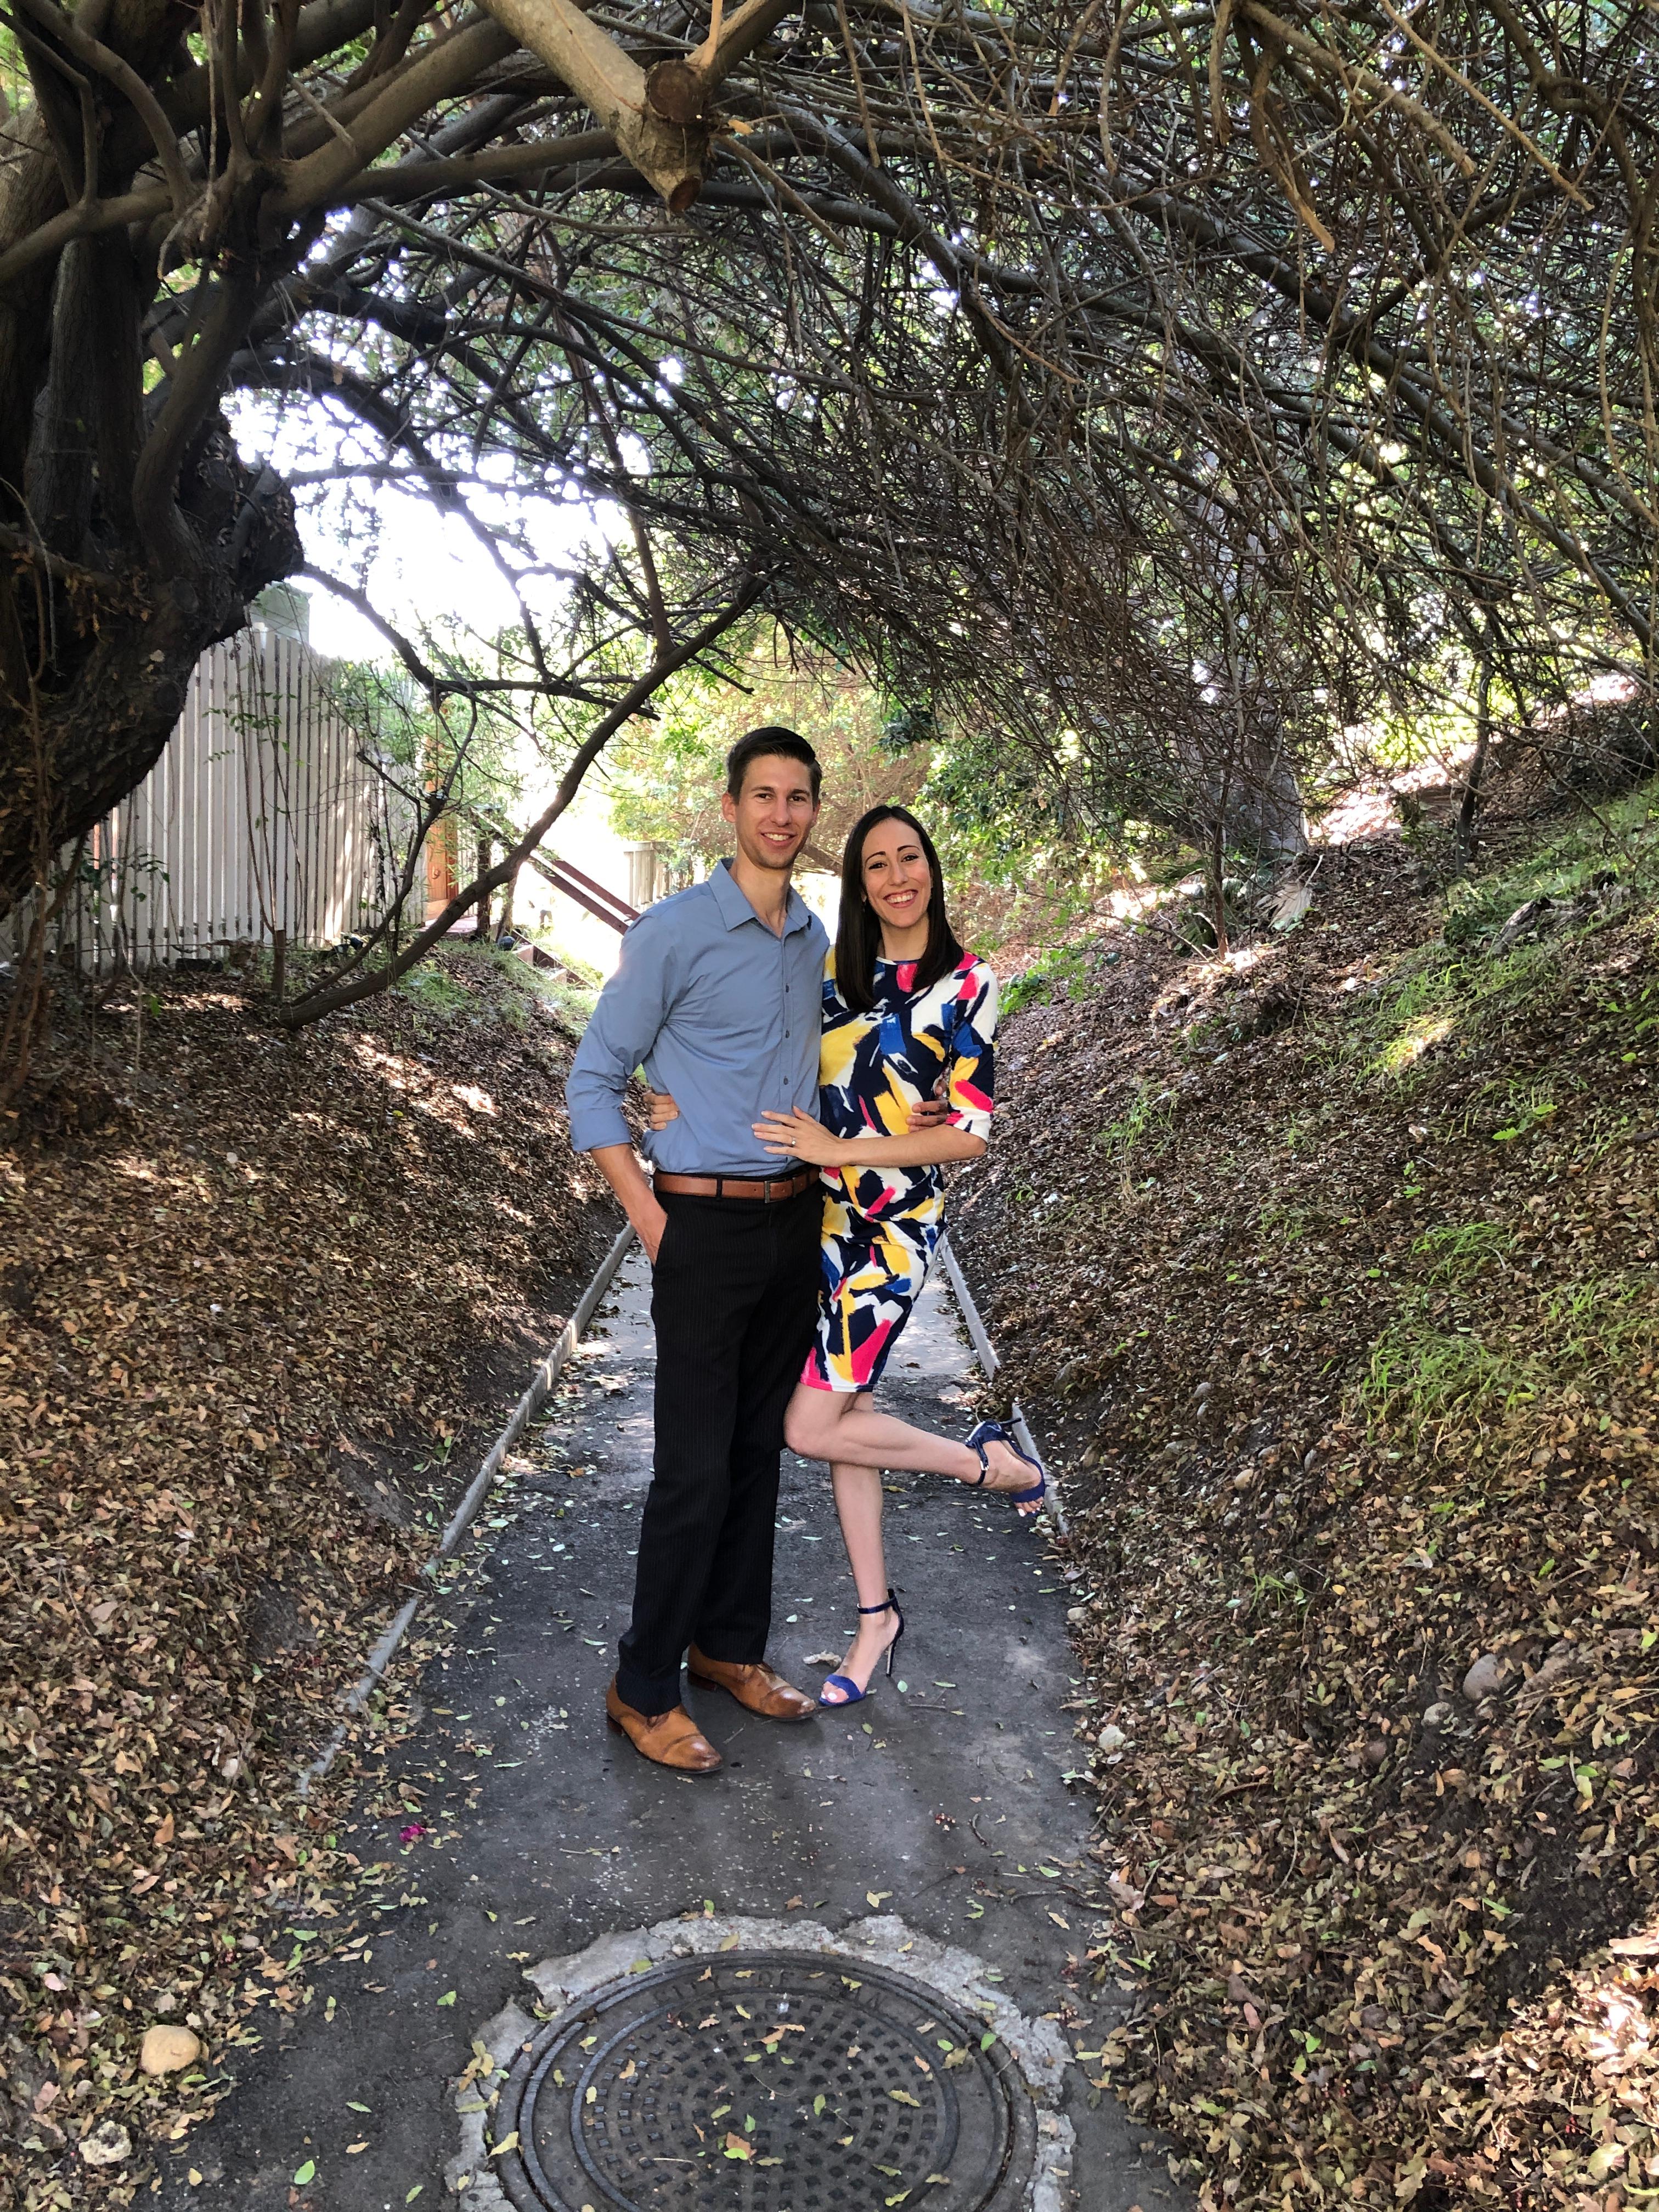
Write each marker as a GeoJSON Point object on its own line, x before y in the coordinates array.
{"type": "Point", "coordinates": [1147, 1124]}
{"type": "Point", "coordinates": [1036, 985]}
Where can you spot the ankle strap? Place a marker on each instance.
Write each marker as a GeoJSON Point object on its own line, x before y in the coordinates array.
{"type": "Point", "coordinates": [890, 1605]}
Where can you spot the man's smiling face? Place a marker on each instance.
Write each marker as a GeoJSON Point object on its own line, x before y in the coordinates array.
{"type": "Point", "coordinates": [775, 812]}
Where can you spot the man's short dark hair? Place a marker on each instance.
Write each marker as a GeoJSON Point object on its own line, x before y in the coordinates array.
{"type": "Point", "coordinates": [770, 738]}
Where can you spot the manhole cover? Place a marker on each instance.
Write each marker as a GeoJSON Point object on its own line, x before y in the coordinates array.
{"type": "Point", "coordinates": [765, 2082]}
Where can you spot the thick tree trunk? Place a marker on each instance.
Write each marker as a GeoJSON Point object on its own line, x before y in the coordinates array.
{"type": "Point", "coordinates": [131, 533]}
{"type": "Point", "coordinates": [120, 647]}
{"type": "Point", "coordinates": [1263, 816]}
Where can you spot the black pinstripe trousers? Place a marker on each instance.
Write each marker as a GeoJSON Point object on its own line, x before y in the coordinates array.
{"type": "Point", "coordinates": [734, 1298]}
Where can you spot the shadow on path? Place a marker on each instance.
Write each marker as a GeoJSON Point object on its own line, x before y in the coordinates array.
{"type": "Point", "coordinates": [942, 1800]}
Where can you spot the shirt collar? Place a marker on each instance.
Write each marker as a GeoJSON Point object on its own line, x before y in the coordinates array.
{"type": "Point", "coordinates": [735, 909]}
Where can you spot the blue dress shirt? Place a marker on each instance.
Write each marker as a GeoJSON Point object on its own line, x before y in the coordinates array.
{"type": "Point", "coordinates": [715, 1008]}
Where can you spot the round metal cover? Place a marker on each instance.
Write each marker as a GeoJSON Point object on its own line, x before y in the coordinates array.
{"type": "Point", "coordinates": [765, 2082]}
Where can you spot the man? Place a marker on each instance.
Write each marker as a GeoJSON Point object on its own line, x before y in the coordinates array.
{"type": "Point", "coordinates": [719, 995]}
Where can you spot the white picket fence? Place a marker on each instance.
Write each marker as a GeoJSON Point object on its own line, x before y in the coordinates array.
{"type": "Point", "coordinates": [260, 816]}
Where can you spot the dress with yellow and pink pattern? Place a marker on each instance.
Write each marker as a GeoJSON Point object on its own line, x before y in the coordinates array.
{"type": "Point", "coordinates": [881, 1224]}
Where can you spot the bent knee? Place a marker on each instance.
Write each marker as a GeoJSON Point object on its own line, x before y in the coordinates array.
{"type": "Point", "coordinates": [805, 1425]}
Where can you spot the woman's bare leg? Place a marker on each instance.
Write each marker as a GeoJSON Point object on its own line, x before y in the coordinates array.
{"type": "Point", "coordinates": [845, 1429]}
{"type": "Point", "coordinates": [858, 1503]}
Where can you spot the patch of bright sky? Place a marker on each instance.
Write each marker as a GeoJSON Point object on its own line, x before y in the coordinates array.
{"type": "Point", "coordinates": [424, 568]}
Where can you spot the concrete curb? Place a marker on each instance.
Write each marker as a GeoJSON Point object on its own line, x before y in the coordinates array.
{"type": "Point", "coordinates": [986, 1351]}
{"type": "Point", "coordinates": [541, 1385]}
{"type": "Point", "coordinates": [1037, 2046]}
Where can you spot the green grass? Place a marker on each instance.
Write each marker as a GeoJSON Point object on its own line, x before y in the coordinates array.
{"type": "Point", "coordinates": [1273, 1594]}
{"type": "Point", "coordinates": [588, 976]}
{"type": "Point", "coordinates": [529, 986]}
{"type": "Point", "coordinates": [1438, 996]}
{"type": "Point", "coordinates": [572, 1001]}
{"type": "Point", "coordinates": [1068, 963]}
{"type": "Point", "coordinates": [1454, 1252]}
{"type": "Point", "coordinates": [487, 983]}
{"type": "Point", "coordinates": [1476, 1348]}
{"type": "Point", "coordinates": [1277, 1222]}
{"type": "Point", "coordinates": [433, 990]}
{"type": "Point", "coordinates": [1620, 839]}
{"type": "Point", "coordinates": [1443, 996]}
{"type": "Point", "coordinates": [1451, 994]}
{"type": "Point", "coordinates": [1148, 1124]}
{"type": "Point", "coordinates": [1599, 1328]}
{"type": "Point", "coordinates": [1442, 1386]}
{"type": "Point", "coordinates": [1425, 1382]}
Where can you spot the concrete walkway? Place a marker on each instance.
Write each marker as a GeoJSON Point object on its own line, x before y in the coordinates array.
{"type": "Point", "coordinates": [942, 1800]}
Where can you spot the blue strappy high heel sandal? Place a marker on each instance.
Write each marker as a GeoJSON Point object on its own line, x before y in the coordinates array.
{"type": "Point", "coordinates": [992, 1432]}
{"type": "Point", "coordinates": [855, 1695]}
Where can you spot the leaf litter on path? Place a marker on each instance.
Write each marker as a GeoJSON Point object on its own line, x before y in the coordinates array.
{"type": "Point", "coordinates": [257, 1326]}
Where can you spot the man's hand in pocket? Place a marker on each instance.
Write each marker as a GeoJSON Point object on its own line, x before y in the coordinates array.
{"type": "Point", "coordinates": [649, 1223]}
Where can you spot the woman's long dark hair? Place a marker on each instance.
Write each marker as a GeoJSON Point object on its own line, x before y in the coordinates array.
{"type": "Point", "coordinates": [858, 935]}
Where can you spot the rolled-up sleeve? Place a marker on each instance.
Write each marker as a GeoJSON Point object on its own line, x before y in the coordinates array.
{"type": "Point", "coordinates": [619, 1036]}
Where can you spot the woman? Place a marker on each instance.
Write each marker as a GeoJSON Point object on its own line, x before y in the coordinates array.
{"type": "Point", "coordinates": [907, 1016]}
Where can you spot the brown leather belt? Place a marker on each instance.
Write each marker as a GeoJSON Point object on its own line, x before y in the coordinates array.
{"type": "Point", "coordinates": [767, 1188]}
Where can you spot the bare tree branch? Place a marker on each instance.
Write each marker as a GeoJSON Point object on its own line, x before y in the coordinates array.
{"type": "Point", "coordinates": [330, 999]}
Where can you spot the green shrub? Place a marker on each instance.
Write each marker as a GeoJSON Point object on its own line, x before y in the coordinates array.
{"type": "Point", "coordinates": [1035, 985]}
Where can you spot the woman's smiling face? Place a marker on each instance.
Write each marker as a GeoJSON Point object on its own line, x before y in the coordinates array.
{"type": "Point", "coordinates": [898, 880]}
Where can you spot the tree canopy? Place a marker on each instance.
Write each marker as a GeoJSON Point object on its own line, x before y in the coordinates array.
{"type": "Point", "coordinates": [665, 777]}
{"type": "Point", "coordinates": [1152, 388]}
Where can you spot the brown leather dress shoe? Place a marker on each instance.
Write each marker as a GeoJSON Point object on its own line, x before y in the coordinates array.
{"type": "Point", "coordinates": [671, 1739]}
{"type": "Point", "coordinates": [760, 1688]}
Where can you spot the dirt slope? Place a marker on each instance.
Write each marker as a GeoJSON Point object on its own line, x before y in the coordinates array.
{"type": "Point", "coordinates": [1333, 1271]}
{"type": "Point", "coordinates": [260, 1300]}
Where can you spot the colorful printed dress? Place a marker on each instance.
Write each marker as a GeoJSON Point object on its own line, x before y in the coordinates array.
{"type": "Point", "coordinates": [881, 1224]}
